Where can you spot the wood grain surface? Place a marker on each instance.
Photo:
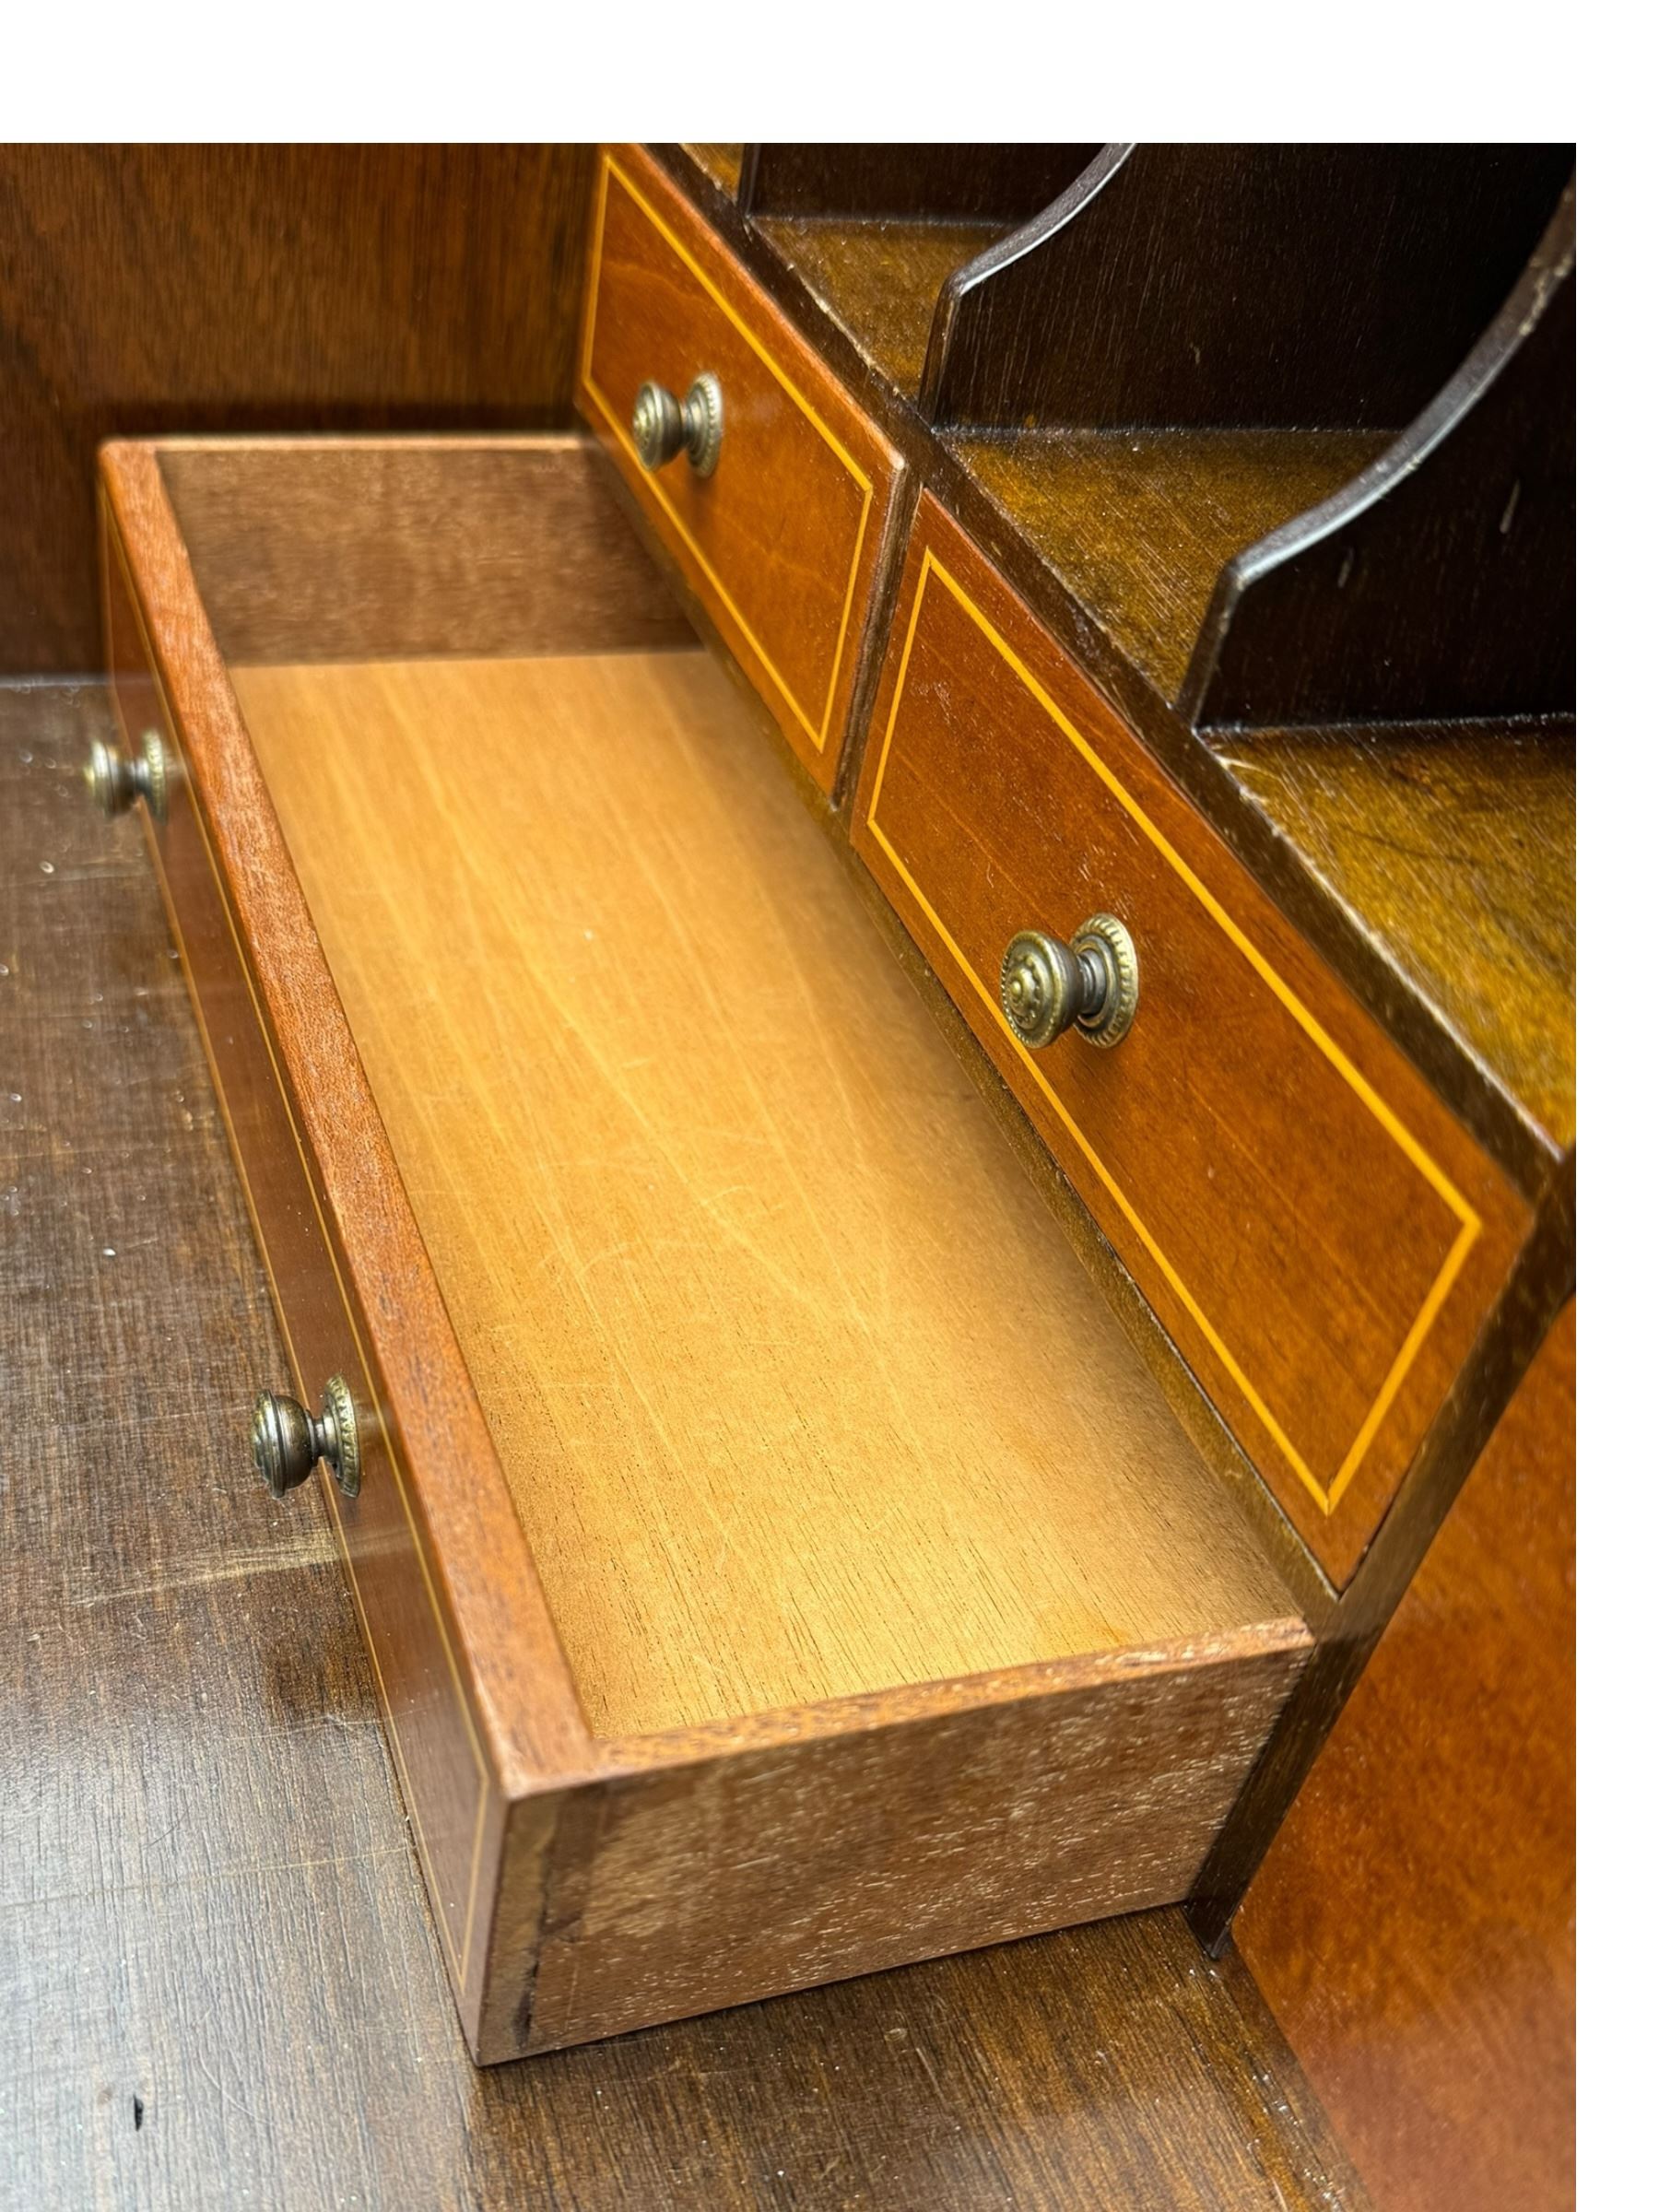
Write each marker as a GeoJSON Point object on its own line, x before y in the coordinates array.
{"type": "Point", "coordinates": [1139, 523]}
{"type": "Point", "coordinates": [928, 182]}
{"type": "Point", "coordinates": [725, 1864]}
{"type": "Point", "coordinates": [1457, 851]}
{"type": "Point", "coordinates": [1412, 1924]}
{"type": "Point", "coordinates": [1320, 1237]}
{"type": "Point", "coordinates": [1342, 935]}
{"type": "Point", "coordinates": [785, 541]}
{"type": "Point", "coordinates": [1326, 286]}
{"type": "Point", "coordinates": [210, 1912]}
{"type": "Point", "coordinates": [760, 1319]}
{"type": "Point", "coordinates": [162, 287]}
{"type": "Point", "coordinates": [349, 550]}
{"type": "Point", "coordinates": [879, 280]}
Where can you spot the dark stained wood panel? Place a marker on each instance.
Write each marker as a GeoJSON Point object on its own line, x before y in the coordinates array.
{"type": "Point", "coordinates": [1412, 1924]}
{"type": "Point", "coordinates": [879, 280]}
{"type": "Point", "coordinates": [1139, 524]}
{"type": "Point", "coordinates": [1455, 851]}
{"type": "Point", "coordinates": [209, 1907]}
{"type": "Point", "coordinates": [166, 287]}
{"type": "Point", "coordinates": [1326, 286]}
{"type": "Point", "coordinates": [1322, 1240]}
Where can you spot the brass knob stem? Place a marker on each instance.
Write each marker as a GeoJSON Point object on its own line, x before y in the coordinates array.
{"type": "Point", "coordinates": [116, 779]}
{"type": "Point", "coordinates": [663, 426]}
{"type": "Point", "coordinates": [1092, 985]}
{"type": "Point", "coordinates": [289, 1441]}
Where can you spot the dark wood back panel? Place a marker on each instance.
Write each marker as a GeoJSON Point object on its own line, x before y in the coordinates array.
{"type": "Point", "coordinates": [203, 288]}
{"type": "Point", "coordinates": [1439, 583]}
{"type": "Point", "coordinates": [1272, 285]}
{"type": "Point", "coordinates": [989, 183]}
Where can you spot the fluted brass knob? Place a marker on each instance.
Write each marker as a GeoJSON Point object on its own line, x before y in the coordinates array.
{"type": "Point", "coordinates": [1094, 984]}
{"type": "Point", "coordinates": [663, 426]}
{"type": "Point", "coordinates": [288, 1442]}
{"type": "Point", "coordinates": [116, 779]}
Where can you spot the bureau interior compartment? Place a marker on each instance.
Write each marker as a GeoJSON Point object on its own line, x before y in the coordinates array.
{"type": "Point", "coordinates": [799, 1387]}
{"type": "Point", "coordinates": [875, 231]}
{"type": "Point", "coordinates": [1198, 346]}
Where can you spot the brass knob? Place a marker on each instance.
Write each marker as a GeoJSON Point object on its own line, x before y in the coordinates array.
{"type": "Point", "coordinates": [116, 779]}
{"type": "Point", "coordinates": [663, 426]}
{"type": "Point", "coordinates": [1093, 983]}
{"type": "Point", "coordinates": [288, 1442]}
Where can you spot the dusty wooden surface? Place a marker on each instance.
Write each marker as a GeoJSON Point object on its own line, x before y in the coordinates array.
{"type": "Point", "coordinates": [209, 1905]}
{"type": "Point", "coordinates": [1140, 522]}
{"type": "Point", "coordinates": [723, 163]}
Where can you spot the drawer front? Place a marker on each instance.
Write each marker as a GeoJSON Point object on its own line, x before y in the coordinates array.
{"type": "Point", "coordinates": [1318, 1234]}
{"type": "Point", "coordinates": [782, 542]}
{"type": "Point", "coordinates": [455, 1811]}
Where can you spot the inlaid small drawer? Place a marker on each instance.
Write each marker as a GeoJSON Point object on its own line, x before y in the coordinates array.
{"type": "Point", "coordinates": [1319, 1236]}
{"type": "Point", "coordinates": [771, 492]}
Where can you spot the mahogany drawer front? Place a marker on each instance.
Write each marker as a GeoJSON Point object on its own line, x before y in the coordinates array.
{"type": "Point", "coordinates": [782, 543]}
{"type": "Point", "coordinates": [1321, 1238]}
{"type": "Point", "coordinates": [455, 1806]}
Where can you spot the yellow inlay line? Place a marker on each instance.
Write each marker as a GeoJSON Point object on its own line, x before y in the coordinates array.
{"type": "Point", "coordinates": [817, 732]}
{"type": "Point", "coordinates": [459, 1964]}
{"type": "Point", "coordinates": [1434, 1176]}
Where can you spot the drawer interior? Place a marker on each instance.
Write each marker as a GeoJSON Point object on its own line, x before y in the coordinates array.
{"type": "Point", "coordinates": [798, 1388]}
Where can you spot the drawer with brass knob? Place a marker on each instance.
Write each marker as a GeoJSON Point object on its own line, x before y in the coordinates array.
{"type": "Point", "coordinates": [743, 1616]}
{"type": "Point", "coordinates": [1316, 1232]}
{"type": "Point", "coordinates": [768, 488]}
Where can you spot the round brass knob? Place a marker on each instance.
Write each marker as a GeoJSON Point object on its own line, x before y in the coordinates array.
{"type": "Point", "coordinates": [663, 426]}
{"type": "Point", "coordinates": [288, 1442]}
{"type": "Point", "coordinates": [1093, 983]}
{"type": "Point", "coordinates": [116, 779]}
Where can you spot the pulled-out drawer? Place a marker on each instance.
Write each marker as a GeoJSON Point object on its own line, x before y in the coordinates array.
{"type": "Point", "coordinates": [1320, 1236]}
{"type": "Point", "coordinates": [768, 486]}
{"type": "Point", "coordinates": [775, 1562]}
